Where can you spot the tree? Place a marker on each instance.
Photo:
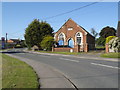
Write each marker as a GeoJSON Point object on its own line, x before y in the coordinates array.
{"type": "Point", "coordinates": [94, 33]}
{"type": "Point", "coordinates": [104, 33]}
{"type": "Point", "coordinates": [46, 29]}
{"type": "Point", "coordinates": [100, 41]}
{"type": "Point", "coordinates": [36, 31]}
{"type": "Point", "coordinates": [107, 31]}
{"type": "Point", "coordinates": [47, 43]}
{"type": "Point", "coordinates": [32, 33]}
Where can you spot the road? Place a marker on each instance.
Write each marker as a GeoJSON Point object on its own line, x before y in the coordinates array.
{"type": "Point", "coordinates": [84, 73]}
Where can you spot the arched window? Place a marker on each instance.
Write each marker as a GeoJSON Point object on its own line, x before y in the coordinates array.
{"type": "Point", "coordinates": [61, 38]}
{"type": "Point", "coordinates": [79, 38]}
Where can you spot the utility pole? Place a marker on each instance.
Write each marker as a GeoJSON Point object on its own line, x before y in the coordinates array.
{"type": "Point", "coordinates": [6, 40]}
{"type": "Point", "coordinates": [6, 37]}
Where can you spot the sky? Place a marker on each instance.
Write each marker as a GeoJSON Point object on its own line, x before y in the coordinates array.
{"type": "Point", "coordinates": [17, 15]}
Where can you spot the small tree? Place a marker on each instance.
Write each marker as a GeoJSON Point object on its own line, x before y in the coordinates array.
{"type": "Point", "coordinates": [100, 41]}
{"type": "Point", "coordinates": [94, 33]}
{"type": "Point", "coordinates": [47, 43]}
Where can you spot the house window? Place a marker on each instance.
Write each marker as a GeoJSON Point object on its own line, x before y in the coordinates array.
{"type": "Point", "coordinates": [70, 28]}
{"type": "Point", "coordinates": [61, 39]}
{"type": "Point", "coordinates": [78, 37]}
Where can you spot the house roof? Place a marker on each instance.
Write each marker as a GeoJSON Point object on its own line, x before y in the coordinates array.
{"type": "Point", "coordinates": [75, 23]}
{"type": "Point", "coordinates": [15, 40]}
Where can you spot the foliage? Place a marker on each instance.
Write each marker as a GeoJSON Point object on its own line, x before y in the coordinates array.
{"type": "Point", "coordinates": [17, 74]}
{"type": "Point", "coordinates": [100, 47]}
{"type": "Point", "coordinates": [22, 43]}
{"type": "Point", "coordinates": [114, 44]}
{"type": "Point", "coordinates": [32, 33]}
{"type": "Point", "coordinates": [107, 31]}
{"type": "Point", "coordinates": [47, 43]}
{"type": "Point", "coordinates": [110, 55]}
{"type": "Point", "coordinates": [109, 38]}
{"type": "Point", "coordinates": [100, 41]}
{"type": "Point", "coordinates": [36, 31]}
{"type": "Point", "coordinates": [94, 33]}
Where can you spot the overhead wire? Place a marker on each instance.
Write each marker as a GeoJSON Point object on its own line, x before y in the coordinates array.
{"type": "Point", "coordinates": [73, 10]}
{"type": "Point", "coordinates": [66, 13]}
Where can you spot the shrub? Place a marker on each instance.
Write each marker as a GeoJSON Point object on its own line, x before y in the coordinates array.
{"type": "Point", "coordinates": [47, 43]}
{"type": "Point", "coordinates": [109, 38]}
{"type": "Point", "coordinates": [114, 44]}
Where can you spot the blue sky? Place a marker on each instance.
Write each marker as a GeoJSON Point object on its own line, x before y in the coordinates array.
{"type": "Point", "coordinates": [17, 16]}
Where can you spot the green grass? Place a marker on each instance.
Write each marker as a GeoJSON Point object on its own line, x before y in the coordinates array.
{"type": "Point", "coordinates": [65, 53]}
{"type": "Point", "coordinates": [111, 55]}
{"type": "Point", "coordinates": [17, 74]}
{"type": "Point", "coordinates": [98, 47]}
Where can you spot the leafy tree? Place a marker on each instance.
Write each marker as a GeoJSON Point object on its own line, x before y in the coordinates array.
{"type": "Point", "coordinates": [107, 31]}
{"type": "Point", "coordinates": [35, 33]}
{"type": "Point", "coordinates": [100, 41]}
{"type": "Point", "coordinates": [47, 43]}
{"type": "Point", "coordinates": [32, 33]}
{"type": "Point", "coordinates": [45, 29]}
{"type": "Point", "coordinates": [94, 33]}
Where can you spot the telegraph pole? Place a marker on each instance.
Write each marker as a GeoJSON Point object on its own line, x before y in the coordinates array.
{"type": "Point", "coordinates": [6, 40]}
{"type": "Point", "coordinates": [6, 37]}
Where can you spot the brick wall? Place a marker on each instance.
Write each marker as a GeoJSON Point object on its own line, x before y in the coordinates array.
{"type": "Point", "coordinates": [77, 48]}
{"type": "Point", "coordinates": [64, 49]}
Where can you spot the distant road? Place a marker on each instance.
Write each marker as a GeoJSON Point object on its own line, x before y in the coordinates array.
{"type": "Point", "coordinates": [84, 73]}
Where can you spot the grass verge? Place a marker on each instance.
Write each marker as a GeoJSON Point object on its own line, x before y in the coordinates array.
{"type": "Point", "coordinates": [111, 55]}
{"type": "Point", "coordinates": [65, 53]}
{"type": "Point", "coordinates": [17, 74]}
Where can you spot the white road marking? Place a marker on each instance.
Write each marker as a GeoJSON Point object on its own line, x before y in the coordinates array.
{"type": "Point", "coordinates": [69, 59]}
{"type": "Point", "coordinates": [105, 65]}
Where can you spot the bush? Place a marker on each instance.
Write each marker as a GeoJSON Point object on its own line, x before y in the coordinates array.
{"type": "Point", "coordinates": [47, 43]}
{"type": "Point", "coordinates": [114, 44]}
{"type": "Point", "coordinates": [100, 41]}
{"type": "Point", "coordinates": [109, 38]}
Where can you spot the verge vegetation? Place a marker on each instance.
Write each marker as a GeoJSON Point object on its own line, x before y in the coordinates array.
{"type": "Point", "coordinates": [17, 74]}
{"type": "Point", "coordinates": [111, 55]}
{"type": "Point", "coordinates": [65, 53]}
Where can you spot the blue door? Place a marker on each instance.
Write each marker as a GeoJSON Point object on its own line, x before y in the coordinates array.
{"type": "Point", "coordinates": [61, 42]}
{"type": "Point", "coordinates": [70, 43]}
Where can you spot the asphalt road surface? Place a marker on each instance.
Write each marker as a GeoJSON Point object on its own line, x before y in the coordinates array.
{"type": "Point", "coordinates": [84, 73]}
